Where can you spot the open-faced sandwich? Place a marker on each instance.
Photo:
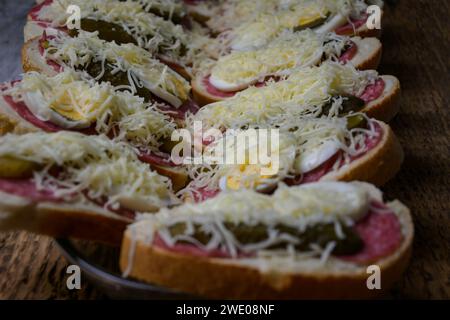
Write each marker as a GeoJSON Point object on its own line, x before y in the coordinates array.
{"type": "Point", "coordinates": [344, 17]}
{"type": "Point", "coordinates": [67, 184]}
{"type": "Point", "coordinates": [305, 150]}
{"type": "Point", "coordinates": [316, 87]}
{"type": "Point", "coordinates": [67, 103]}
{"type": "Point", "coordinates": [124, 22]}
{"type": "Point", "coordinates": [126, 67]}
{"type": "Point", "coordinates": [311, 241]}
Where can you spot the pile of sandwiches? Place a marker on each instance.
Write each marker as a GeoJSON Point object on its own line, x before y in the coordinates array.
{"type": "Point", "coordinates": [109, 87]}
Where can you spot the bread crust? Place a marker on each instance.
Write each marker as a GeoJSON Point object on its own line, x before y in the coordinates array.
{"type": "Point", "coordinates": [32, 59]}
{"type": "Point", "coordinates": [219, 278]}
{"type": "Point", "coordinates": [369, 53]}
{"type": "Point", "coordinates": [11, 122]}
{"type": "Point", "coordinates": [61, 220]}
{"type": "Point", "coordinates": [200, 94]}
{"type": "Point", "coordinates": [386, 106]}
{"type": "Point", "coordinates": [377, 166]}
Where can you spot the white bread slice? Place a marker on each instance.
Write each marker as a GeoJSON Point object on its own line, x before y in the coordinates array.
{"type": "Point", "coordinates": [61, 219]}
{"type": "Point", "coordinates": [379, 165]}
{"type": "Point", "coordinates": [368, 55]}
{"type": "Point", "coordinates": [384, 108]}
{"type": "Point", "coordinates": [387, 105]}
{"type": "Point", "coordinates": [11, 122]}
{"type": "Point", "coordinates": [245, 279]}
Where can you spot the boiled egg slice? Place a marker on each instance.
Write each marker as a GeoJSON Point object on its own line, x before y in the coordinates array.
{"type": "Point", "coordinates": [313, 157]}
{"type": "Point", "coordinates": [330, 199]}
{"type": "Point", "coordinates": [164, 85]}
{"type": "Point", "coordinates": [281, 57]}
{"type": "Point", "coordinates": [60, 111]}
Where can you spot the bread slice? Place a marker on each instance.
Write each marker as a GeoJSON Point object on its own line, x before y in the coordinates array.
{"type": "Point", "coordinates": [377, 166]}
{"type": "Point", "coordinates": [32, 59]}
{"type": "Point", "coordinates": [61, 219]}
{"type": "Point", "coordinates": [11, 122]}
{"type": "Point", "coordinates": [384, 108]}
{"type": "Point", "coordinates": [387, 105]}
{"type": "Point", "coordinates": [247, 279]}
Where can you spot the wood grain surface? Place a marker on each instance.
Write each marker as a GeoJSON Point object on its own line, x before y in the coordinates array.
{"type": "Point", "coordinates": [416, 50]}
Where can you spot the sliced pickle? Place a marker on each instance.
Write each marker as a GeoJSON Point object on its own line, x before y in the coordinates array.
{"type": "Point", "coordinates": [356, 121]}
{"type": "Point", "coordinates": [349, 104]}
{"type": "Point", "coordinates": [119, 78]}
{"type": "Point", "coordinates": [107, 31]}
{"type": "Point", "coordinates": [319, 234]}
{"type": "Point", "coordinates": [16, 168]}
{"type": "Point", "coordinates": [167, 145]}
{"type": "Point", "coordinates": [311, 22]}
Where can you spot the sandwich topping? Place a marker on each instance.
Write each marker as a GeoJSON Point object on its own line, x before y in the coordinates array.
{"type": "Point", "coordinates": [308, 149]}
{"type": "Point", "coordinates": [321, 16]}
{"type": "Point", "coordinates": [304, 92]}
{"type": "Point", "coordinates": [321, 220]}
{"type": "Point", "coordinates": [125, 66]}
{"type": "Point", "coordinates": [69, 165]}
{"type": "Point", "coordinates": [128, 22]}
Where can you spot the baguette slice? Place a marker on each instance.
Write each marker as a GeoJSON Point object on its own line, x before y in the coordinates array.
{"type": "Point", "coordinates": [61, 219]}
{"type": "Point", "coordinates": [11, 122]}
{"type": "Point", "coordinates": [384, 108]}
{"type": "Point", "coordinates": [245, 279]}
{"type": "Point", "coordinates": [32, 60]}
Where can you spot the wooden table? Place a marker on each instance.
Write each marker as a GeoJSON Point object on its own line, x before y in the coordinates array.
{"type": "Point", "coordinates": [416, 50]}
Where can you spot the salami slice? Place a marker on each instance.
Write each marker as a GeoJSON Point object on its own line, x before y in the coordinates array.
{"type": "Point", "coordinates": [350, 27]}
{"type": "Point", "coordinates": [373, 91]}
{"type": "Point", "coordinates": [27, 188]}
{"type": "Point", "coordinates": [381, 235]}
{"type": "Point", "coordinates": [348, 54]}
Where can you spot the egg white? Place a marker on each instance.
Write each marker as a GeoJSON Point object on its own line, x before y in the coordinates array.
{"type": "Point", "coordinates": [314, 157]}
{"type": "Point", "coordinates": [40, 108]}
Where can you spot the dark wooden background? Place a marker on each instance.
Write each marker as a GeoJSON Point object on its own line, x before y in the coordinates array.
{"type": "Point", "coordinates": [416, 50]}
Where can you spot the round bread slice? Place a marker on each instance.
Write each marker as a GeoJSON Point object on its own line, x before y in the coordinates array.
{"type": "Point", "coordinates": [32, 59]}
{"type": "Point", "coordinates": [384, 108]}
{"type": "Point", "coordinates": [252, 279]}
{"type": "Point", "coordinates": [61, 219]}
{"type": "Point", "coordinates": [387, 105]}
{"type": "Point", "coordinates": [369, 53]}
